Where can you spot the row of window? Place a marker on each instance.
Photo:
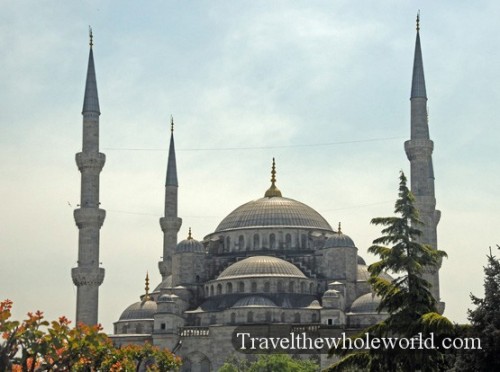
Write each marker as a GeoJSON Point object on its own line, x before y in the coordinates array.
{"type": "Point", "coordinates": [251, 318]}
{"type": "Point", "coordinates": [281, 287]}
{"type": "Point", "coordinates": [273, 243]}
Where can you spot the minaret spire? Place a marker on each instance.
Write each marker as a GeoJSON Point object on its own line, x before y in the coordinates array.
{"type": "Point", "coordinates": [418, 81]}
{"type": "Point", "coordinates": [170, 223]}
{"type": "Point", "coordinates": [88, 275]}
{"type": "Point", "coordinates": [419, 152]}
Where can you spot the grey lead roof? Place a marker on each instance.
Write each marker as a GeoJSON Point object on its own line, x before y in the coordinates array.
{"type": "Point", "coordinates": [91, 100]}
{"type": "Point", "coordinates": [418, 81]}
{"type": "Point", "coordinates": [172, 165]}
{"type": "Point", "coordinates": [261, 266]}
{"type": "Point", "coordinates": [272, 212]}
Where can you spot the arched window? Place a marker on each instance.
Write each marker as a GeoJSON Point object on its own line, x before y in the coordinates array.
{"type": "Point", "coordinates": [212, 290]}
{"type": "Point", "coordinates": [256, 242]}
{"type": "Point", "coordinates": [302, 287]}
{"type": "Point", "coordinates": [282, 317]}
{"type": "Point", "coordinates": [219, 289]}
{"type": "Point", "coordinates": [241, 287]}
{"type": "Point", "coordinates": [241, 243]}
{"type": "Point", "coordinates": [272, 241]}
{"type": "Point", "coordinates": [303, 241]}
{"type": "Point", "coordinates": [233, 318]}
{"type": "Point", "coordinates": [250, 317]}
{"type": "Point", "coordinates": [229, 287]}
{"type": "Point", "coordinates": [213, 319]}
{"type": "Point", "coordinates": [297, 318]}
{"type": "Point", "coordinates": [291, 287]}
{"type": "Point", "coordinates": [280, 286]}
{"type": "Point", "coordinates": [267, 287]}
{"type": "Point", "coordinates": [268, 316]}
{"type": "Point", "coordinates": [288, 241]}
{"type": "Point", "coordinates": [228, 244]}
{"type": "Point", "coordinates": [311, 288]}
{"type": "Point", "coordinates": [254, 287]}
{"type": "Point", "coordinates": [313, 318]}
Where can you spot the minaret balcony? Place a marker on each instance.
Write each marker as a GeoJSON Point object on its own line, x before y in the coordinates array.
{"type": "Point", "coordinates": [89, 217]}
{"type": "Point", "coordinates": [92, 276]}
{"type": "Point", "coordinates": [419, 148]}
{"type": "Point", "coordinates": [90, 161]}
{"type": "Point", "coordinates": [170, 224]}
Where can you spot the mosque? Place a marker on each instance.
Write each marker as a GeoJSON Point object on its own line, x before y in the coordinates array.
{"type": "Point", "coordinates": [272, 261]}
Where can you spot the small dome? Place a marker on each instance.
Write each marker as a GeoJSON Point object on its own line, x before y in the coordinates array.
{"type": "Point", "coordinates": [339, 240]}
{"type": "Point", "coordinates": [314, 305]}
{"type": "Point", "coordinates": [367, 303]}
{"type": "Point", "coordinates": [361, 261]}
{"type": "Point", "coordinates": [254, 301]}
{"type": "Point", "coordinates": [140, 310]}
{"type": "Point", "coordinates": [190, 245]}
{"type": "Point", "coordinates": [273, 211]}
{"type": "Point", "coordinates": [261, 266]}
{"type": "Point", "coordinates": [331, 293]}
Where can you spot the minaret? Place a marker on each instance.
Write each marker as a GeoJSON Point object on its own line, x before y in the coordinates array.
{"type": "Point", "coordinates": [170, 223]}
{"type": "Point", "coordinates": [88, 276]}
{"type": "Point", "coordinates": [419, 151]}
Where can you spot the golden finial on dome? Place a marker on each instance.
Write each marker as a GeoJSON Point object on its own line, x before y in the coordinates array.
{"type": "Point", "coordinates": [273, 190]}
{"type": "Point", "coordinates": [418, 20]}
{"type": "Point", "coordinates": [189, 234]}
{"type": "Point", "coordinates": [339, 231]}
{"type": "Point", "coordinates": [146, 297]}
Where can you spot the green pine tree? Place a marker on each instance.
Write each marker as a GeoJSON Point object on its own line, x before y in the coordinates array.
{"type": "Point", "coordinates": [407, 298]}
{"type": "Point", "coordinates": [485, 324]}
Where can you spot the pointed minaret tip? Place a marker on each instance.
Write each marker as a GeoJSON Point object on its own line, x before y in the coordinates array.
{"type": "Point", "coordinates": [418, 80]}
{"type": "Point", "coordinates": [91, 99]}
{"type": "Point", "coordinates": [171, 163]}
{"type": "Point", "coordinates": [91, 37]}
{"type": "Point", "coordinates": [273, 190]}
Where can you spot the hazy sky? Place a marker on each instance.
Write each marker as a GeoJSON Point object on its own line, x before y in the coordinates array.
{"type": "Point", "coordinates": [323, 86]}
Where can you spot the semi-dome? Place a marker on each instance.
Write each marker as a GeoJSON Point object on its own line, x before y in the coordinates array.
{"type": "Point", "coordinates": [261, 266]}
{"type": "Point", "coordinates": [273, 211]}
{"type": "Point", "coordinates": [254, 301]}
{"type": "Point", "coordinates": [140, 310]}
{"type": "Point", "coordinates": [366, 303]}
{"type": "Point", "coordinates": [166, 283]}
{"type": "Point", "coordinates": [363, 274]}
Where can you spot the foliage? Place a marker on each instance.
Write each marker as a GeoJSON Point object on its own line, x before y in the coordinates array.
{"type": "Point", "coordinates": [407, 299]}
{"type": "Point", "coordinates": [270, 363]}
{"type": "Point", "coordinates": [485, 323]}
{"type": "Point", "coordinates": [36, 344]}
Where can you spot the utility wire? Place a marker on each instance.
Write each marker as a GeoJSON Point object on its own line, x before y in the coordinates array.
{"type": "Point", "coordinates": [257, 147]}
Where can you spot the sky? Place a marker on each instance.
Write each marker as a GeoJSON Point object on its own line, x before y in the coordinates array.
{"type": "Point", "coordinates": [322, 86]}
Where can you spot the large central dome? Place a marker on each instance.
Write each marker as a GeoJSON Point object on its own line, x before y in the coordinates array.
{"type": "Point", "coordinates": [273, 211]}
